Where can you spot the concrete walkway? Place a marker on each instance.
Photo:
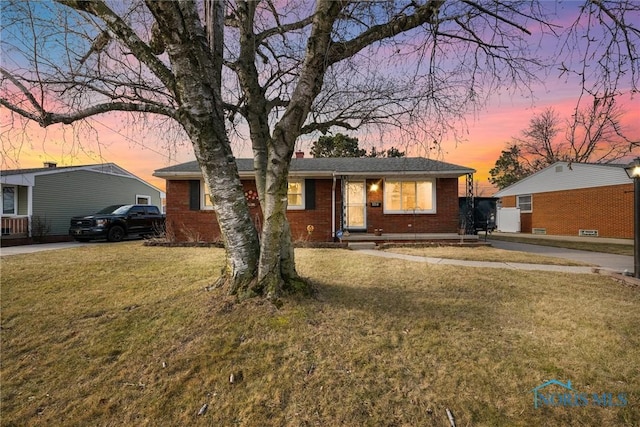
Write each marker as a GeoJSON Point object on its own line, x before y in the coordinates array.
{"type": "Point", "coordinates": [482, 264]}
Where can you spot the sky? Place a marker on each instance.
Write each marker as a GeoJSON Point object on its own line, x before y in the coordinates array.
{"type": "Point", "coordinates": [488, 132]}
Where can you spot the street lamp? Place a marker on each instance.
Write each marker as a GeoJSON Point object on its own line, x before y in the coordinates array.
{"type": "Point", "coordinates": [633, 171]}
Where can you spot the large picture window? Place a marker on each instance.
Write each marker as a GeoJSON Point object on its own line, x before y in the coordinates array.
{"type": "Point", "coordinates": [403, 196]}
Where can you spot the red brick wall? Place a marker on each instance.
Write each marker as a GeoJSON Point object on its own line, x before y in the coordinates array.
{"type": "Point", "coordinates": [508, 202]}
{"type": "Point", "coordinates": [606, 209]}
{"type": "Point", "coordinates": [185, 224]}
{"type": "Point", "coordinates": [445, 220]}
{"type": "Point", "coordinates": [319, 218]}
{"type": "Point", "coordinates": [201, 225]}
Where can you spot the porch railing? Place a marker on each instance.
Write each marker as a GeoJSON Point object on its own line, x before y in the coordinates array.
{"type": "Point", "coordinates": [14, 227]}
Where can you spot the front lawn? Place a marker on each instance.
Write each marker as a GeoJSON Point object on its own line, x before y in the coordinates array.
{"type": "Point", "coordinates": [129, 335]}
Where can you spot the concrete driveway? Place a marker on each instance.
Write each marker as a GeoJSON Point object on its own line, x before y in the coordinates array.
{"type": "Point", "coordinates": [618, 263]}
{"type": "Point", "coordinates": [30, 249]}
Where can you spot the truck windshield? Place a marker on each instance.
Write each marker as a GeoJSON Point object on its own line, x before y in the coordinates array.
{"type": "Point", "coordinates": [113, 209]}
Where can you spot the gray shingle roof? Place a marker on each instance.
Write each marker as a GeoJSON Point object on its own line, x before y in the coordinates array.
{"type": "Point", "coordinates": [340, 165]}
{"type": "Point", "coordinates": [33, 170]}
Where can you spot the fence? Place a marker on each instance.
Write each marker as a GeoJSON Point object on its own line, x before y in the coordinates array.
{"type": "Point", "coordinates": [14, 227]}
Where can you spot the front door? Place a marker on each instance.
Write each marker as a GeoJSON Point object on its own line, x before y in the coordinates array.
{"type": "Point", "coordinates": [355, 204]}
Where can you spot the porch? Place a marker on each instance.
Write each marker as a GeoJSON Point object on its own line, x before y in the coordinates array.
{"type": "Point", "coordinates": [444, 238]}
{"type": "Point", "coordinates": [15, 227]}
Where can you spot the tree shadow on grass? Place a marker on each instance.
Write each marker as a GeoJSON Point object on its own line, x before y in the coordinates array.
{"type": "Point", "coordinates": [457, 304]}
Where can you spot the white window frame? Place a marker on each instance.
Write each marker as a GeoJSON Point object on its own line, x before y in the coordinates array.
{"type": "Point", "coordinates": [207, 205]}
{"type": "Point", "coordinates": [530, 203]}
{"type": "Point", "coordinates": [302, 189]}
{"type": "Point", "coordinates": [15, 200]}
{"type": "Point", "coordinates": [433, 209]}
{"type": "Point", "coordinates": [142, 196]}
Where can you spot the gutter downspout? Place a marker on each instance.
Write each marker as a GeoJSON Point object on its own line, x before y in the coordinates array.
{"type": "Point", "coordinates": [333, 207]}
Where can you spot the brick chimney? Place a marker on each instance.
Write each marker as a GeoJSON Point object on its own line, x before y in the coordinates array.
{"type": "Point", "coordinates": [299, 154]}
{"type": "Point", "coordinates": [50, 165]}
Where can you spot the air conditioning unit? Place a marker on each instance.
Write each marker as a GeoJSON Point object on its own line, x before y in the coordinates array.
{"type": "Point", "coordinates": [538, 231]}
{"type": "Point", "coordinates": [588, 233]}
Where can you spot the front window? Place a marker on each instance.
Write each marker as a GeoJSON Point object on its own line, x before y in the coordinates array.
{"type": "Point", "coordinates": [208, 203]}
{"type": "Point", "coordinates": [9, 201]}
{"type": "Point", "coordinates": [402, 196]}
{"type": "Point", "coordinates": [524, 203]}
{"type": "Point", "coordinates": [205, 197]}
{"type": "Point", "coordinates": [295, 194]}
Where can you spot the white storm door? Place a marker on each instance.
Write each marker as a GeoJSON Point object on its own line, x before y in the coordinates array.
{"type": "Point", "coordinates": [355, 205]}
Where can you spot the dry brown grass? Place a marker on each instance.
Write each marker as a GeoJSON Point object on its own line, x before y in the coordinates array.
{"type": "Point", "coordinates": [90, 337]}
{"type": "Point", "coordinates": [483, 253]}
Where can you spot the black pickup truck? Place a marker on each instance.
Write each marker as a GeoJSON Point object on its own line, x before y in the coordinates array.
{"type": "Point", "coordinates": [115, 222]}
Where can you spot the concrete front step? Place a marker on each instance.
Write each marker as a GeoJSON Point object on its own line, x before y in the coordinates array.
{"type": "Point", "coordinates": [361, 245]}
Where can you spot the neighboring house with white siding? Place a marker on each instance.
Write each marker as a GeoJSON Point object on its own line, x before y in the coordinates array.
{"type": "Point", "coordinates": [574, 199]}
{"type": "Point", "coordinates": [39, 202]}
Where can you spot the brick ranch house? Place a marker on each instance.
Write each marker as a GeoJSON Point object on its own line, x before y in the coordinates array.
{"type": "Point", "coordinates": [328, 195]}
{"type": "Point", "coordinates": [574, 199]}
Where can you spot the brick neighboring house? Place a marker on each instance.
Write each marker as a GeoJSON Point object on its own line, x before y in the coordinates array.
{"type": "Point", "coordinates": [574, 199]}
{"type": "Point", "coordinates": [398, 195]}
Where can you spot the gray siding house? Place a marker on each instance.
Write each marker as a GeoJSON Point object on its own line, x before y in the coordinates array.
{"type": "Point", "coordinates": [38, 203]}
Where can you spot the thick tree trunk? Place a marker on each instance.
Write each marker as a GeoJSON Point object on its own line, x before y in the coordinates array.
{"type": "Point", "coordinates": [277, 271]}
{"type": "Point", "coordinates": [276, 268]}
{"type": "Point", "coordinates": [239, 235]}
{"type": "Point", "coordinates": [275, 221]}
{"type": "Point", "coordinates": [197, 69]}
{"type": "Point", "coordinates": [292, 282]}
{"type": "Point", "coordinates": [238, 232]}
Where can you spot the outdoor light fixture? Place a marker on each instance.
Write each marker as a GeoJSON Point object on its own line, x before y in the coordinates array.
{"type": "Point", "coordinates": [374, 187]}
{"type": "Point", "coordinates": [633, 171]}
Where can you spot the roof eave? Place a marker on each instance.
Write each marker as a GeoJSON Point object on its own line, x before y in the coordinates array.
{"type": "Point", "coordinates": [324, 174]}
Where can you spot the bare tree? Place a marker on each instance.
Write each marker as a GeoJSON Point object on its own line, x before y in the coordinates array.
{"type": "Point", "coordinates": [539, 146]}
{"type": "Point", "coordinates": [286, 70]}
{"type": "Point", "coordinates": [606, 63]}
{"type": "Point", "coordinates": [593, 134]}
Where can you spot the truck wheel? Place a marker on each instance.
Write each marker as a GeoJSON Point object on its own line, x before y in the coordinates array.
{"type": "Point", "coordinates": [116, 233]}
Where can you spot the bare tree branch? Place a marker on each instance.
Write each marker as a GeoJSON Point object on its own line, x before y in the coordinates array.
{"type": "Point", "coordinates": [397, 25]}
{"type": "Point", "coordinates": [125, 33]}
